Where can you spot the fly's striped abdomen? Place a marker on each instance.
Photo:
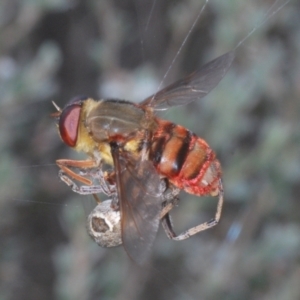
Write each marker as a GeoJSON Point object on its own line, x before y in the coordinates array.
{"type": "Point", "coordinates": [185, 159]}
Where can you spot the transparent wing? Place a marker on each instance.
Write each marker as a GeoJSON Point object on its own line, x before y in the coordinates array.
{"type": "Point", "coordinates": [140, 200]}
{"type": "Point", "coordinates": [193, 87]}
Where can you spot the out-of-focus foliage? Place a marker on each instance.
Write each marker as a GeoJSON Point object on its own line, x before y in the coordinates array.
{"type": "Point", "coordinates": [54, 50]}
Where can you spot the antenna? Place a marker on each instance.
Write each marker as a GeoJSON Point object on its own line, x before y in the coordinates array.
{"type": "Point", "coordinates": [56, 106]}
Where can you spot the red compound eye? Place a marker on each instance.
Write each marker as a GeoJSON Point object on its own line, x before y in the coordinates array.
{"type": "Point", "coordinates": [68, 124]}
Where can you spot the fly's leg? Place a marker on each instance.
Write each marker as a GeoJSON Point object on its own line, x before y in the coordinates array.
{"type": "Point", "coordinates": [166, 222]}
{"type": "Point", "coordinates": [97, 199]}
{"type": "Point", "coordinates": [103, 187]}
{"type": "Point", "coordinates": [66, 164]}
{"type": "Point", "coordinates": [86, 169]}
{"type": "Point", "coordinates": [168, 227]}
{"type": "Point", "coordinates": [170, 199]}
{"type": "Point", "coordinates": [83, 189]}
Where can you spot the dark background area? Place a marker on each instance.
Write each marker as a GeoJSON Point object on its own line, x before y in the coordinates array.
{"type": "Point", "coordinates": [54, 50]}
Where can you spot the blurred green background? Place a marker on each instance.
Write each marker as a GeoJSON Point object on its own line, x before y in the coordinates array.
{"type": "Point", "coordinates": [54, 50]}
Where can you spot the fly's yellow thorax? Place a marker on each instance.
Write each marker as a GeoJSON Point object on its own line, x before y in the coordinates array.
{"type": "Point", "coordinates": [104, 149]}
{"type": "Point", "coordinates": [87, 145]}
{"type": "Point", "coordinates": [85, 142]}
{"type": "Point", "coordinates": [87, 106]}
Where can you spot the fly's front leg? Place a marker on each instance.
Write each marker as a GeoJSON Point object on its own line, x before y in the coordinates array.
{"type": "Point", "coordinates": [66, 164]}
{"type": "Point", "coordinates": [65, 174]}
{"type": "Point", "coordinates": [168, 227]}
{"type": "Point", "coordinates": [86, 167]}
{"type": "Point", "coordinates": [83, 189]}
